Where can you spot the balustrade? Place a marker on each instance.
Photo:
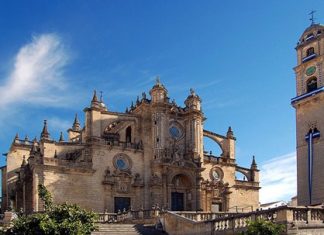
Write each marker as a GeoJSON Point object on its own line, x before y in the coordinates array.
{"type": "Point", "coordinates": [127, 216]}
{"type": "Point", "coordinates": [292, 216]}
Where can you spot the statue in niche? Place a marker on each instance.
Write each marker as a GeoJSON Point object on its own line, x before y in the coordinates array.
{"type": "Point", "coordinates": [138, 180]}
{"type": "Point", "coordinates": [176, 151]}
{"type": "Point", "coordinates": [109, 178]}
{"type": "Point", "coordinates": [155, 179]}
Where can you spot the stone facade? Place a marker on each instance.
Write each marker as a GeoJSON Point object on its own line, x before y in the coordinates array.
{"type": "Point", "coordinates": [309, 105]}
{"type": "Point", "coordinates": [150, 155]}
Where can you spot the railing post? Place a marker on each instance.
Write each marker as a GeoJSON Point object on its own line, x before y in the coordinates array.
{"type": "Point", "coordinates": [309, 216]}
{"type": "Point", "coordinates": [141, 214]}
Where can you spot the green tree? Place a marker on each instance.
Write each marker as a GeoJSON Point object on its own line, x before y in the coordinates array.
{"type": "Point", "coordinates": [56, 219]}
{"type": "Point", "coordinates": [263, 227]}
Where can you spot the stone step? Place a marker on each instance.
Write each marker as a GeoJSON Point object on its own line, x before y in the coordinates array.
{"type": "Point", "coordinates": [127, 229]}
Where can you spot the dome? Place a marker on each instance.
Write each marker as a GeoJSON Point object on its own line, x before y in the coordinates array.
{"type": "Point", "coordinates": [313, 31]}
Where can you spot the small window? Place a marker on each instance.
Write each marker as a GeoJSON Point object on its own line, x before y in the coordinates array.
{"type": "Point", "coordinates": [309, 36]}
{"type": "Point", "coordinates": [311, 84]}
{"type": "Point", "coordinates": [129, 134]}
{"type": "Point", "coordinates": [310, 51]}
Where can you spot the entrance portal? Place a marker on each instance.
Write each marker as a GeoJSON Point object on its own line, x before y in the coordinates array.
{"type": "Point", "coordinates": [177, 201]}
{"type": "Point", "coordinates": [122, 203]}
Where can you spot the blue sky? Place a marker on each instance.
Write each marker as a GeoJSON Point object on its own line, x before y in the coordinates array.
{"type": "Point", "coordinates": [237, 55]}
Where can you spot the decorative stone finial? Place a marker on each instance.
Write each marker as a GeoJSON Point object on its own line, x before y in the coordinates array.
{"type": "Point", "coordinates": [126, 111]}
{"type": "Point", "coordinates": [253, 164]}
{"type": "Point", "coordinates": [76, 123]}
{"type": "Point", "coordinates": [137, 100]}
{"type": "Point", "coordinates": [61, 137]}
{"type": "Point", "coordinates": [132, 105]}
{"type": "Point", "coordinates": [45, 134]}
{"type": "Point", "coordinates": [230, 133]}
{"type": "Point", "coordinates": [192, 92]}
{"type": "Point", "coordinates": [26, 138]}
{"type": "Point", "coordinates": [158, 82]}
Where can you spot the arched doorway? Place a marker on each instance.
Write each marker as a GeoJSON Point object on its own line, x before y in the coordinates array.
{"type": "Point", "coordinates": [181, 193]}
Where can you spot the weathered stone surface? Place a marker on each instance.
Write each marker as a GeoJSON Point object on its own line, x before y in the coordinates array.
{"type": "Point", "coordinates": [150, 156]}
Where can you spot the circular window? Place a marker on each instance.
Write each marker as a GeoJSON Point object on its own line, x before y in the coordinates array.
{"type": "Point", "coordinates": [175, 132]}
{"type": "Point", "coordinates": [216, 174]}
{"type": "Point", "coordinates": [122, 162]}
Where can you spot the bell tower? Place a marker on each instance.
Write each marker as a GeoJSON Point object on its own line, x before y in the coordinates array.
{"type": "Point", "coordinates": [309, 106]}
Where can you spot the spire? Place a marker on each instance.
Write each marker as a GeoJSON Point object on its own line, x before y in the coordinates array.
{"type": "Point", "coordinates": [76, 123]}
{"type": "Point", "coordinates": [45, 134]}
{"type": "Point", "coordinates": [137, 100]}
{"type": "Point", "coordinates": [230, 133]}
{"type": "Point", "coordinates": [132, 106]}
{"type": "Point", "coordinates": [253, 164]}
{"type": "Point", "coordinates": [61, 137]}
{"type": "Point", "coordinates": [16, 139]}
{"type": "Point", "coordinates": [94, 98]}
{"type": "Point", "coordinates": [26, 138]}
{"type": "Point", "coordinates": [126, 111]}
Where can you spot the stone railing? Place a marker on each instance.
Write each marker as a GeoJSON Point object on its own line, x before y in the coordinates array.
{"type": "Point", "coordinates": [129, 216]}
{"type": "Point", "coordinates": [297, 220]}
{"type": "Point", "coordinates": [203, 216]}
{"type": "Point", "coordinates": [116, 143]}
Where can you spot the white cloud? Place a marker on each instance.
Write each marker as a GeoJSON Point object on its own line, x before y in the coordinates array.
{"type": "Point", "coordinates": [278, 178]}
{"type": "Point", "coordinates": [37, 74]}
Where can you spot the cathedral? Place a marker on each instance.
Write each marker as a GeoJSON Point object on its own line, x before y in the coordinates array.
{"type": "Point", "coordinates": [151, 155]}
{"type": "Point", "coordinates": [309, 105]}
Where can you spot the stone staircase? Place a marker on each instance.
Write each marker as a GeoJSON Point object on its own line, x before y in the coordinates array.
{"type": "Point", "coordinates": [127, 229]}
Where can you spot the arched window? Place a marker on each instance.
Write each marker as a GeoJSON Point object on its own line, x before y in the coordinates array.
{"type": "Point", "coordinates": [129, 134]}
{"type": "Point", "coordinates": [310, 51]}
{"type": "Point", "coordinates": [311, 84]}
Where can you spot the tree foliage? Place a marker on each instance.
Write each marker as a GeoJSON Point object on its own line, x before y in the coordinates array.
{"type": "Point", "coordinates": [56, 219]}
{"type": "Point", "coordinates": [263, 227]}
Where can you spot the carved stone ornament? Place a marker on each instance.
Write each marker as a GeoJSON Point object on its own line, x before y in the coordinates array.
{"type": "Point", "coordinates": [123, 181]}
{"type": "Point", "coordinates": [108, 178]}
{"type": "Point", "coordinates": [216, 174]}
{"type": "Point", "coordinates": [138, 181]}
{"type": "Point", "coordinates": [155, 180]}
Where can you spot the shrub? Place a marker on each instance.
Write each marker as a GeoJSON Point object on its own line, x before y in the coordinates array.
{"type": "Point", "coordinates": [263, 227]}
{"type": "Point", "coordinates": [56, 219]}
